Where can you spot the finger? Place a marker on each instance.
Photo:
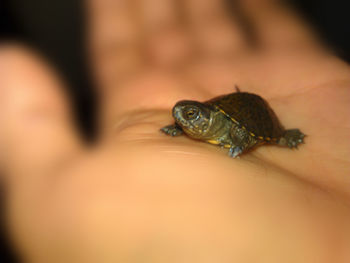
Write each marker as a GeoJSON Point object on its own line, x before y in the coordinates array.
{"type": "Point", "coordinates": [158, 14]}
{"type": "Point", "coordinates": [277, 26]}
{"type": "Point", "coordinates": [115, 39]}
{"type": "Point", "coordinates": [36, 133]}
{"type": "Point", "coordinates": [166, 39]}
{"type": "Point", "coordinates": [214, 29]}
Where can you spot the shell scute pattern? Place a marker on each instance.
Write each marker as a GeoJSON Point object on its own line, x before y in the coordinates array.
{"type": "Point", "coordinates": [251, 113]}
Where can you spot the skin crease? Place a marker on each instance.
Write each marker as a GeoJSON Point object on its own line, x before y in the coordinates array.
{"type": "Point", "coordinates": [137, 195]}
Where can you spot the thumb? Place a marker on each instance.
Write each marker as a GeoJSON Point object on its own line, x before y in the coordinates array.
{"type": "Point", "coordinates": [37, 135]}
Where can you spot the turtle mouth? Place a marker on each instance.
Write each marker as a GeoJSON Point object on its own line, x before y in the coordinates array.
{"type": "Point", "coordinates": [177, 114]}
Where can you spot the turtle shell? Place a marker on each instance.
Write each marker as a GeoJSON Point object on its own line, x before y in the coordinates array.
{"type": "Point", "coordinates": [251, 112]}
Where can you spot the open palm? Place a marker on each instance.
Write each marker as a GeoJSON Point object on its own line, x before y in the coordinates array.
{"type": "Point", "coordinates": [141, 196]}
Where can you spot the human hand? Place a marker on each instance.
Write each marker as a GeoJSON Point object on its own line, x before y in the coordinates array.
{"type": "Point", "coordinates": [138, 195]}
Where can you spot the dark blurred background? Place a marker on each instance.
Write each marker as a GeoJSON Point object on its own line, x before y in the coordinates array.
{"type": "Point", "coordinates": [56, 28]}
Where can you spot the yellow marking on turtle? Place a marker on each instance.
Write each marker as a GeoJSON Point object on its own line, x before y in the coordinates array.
{"type": "Point", "coordinates": [267, 138]}
{"type": "Point", "coordinates": [222, 111]}
{"type": "Point", "coordinates": [244, 128]}
{"type": "Point", "coordinates": [213, 142]}
{"type": "Point", "coordinates": [274, 139]}
{"type": "Point", "coordinates": [227, 146]}
{"type": "Point", "coordinates": [234, 120]}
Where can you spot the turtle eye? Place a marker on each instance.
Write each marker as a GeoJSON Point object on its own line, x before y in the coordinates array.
{"type": "Point", "coordinates": [191, 114]}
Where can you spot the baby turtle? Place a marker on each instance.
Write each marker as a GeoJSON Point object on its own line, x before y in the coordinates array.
{"type": "Point", "coordinates": [238, 121]}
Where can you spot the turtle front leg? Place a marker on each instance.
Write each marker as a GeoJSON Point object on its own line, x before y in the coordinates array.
{"type": "Point", "coordinates": [172, 130]}
{"type": "Point", "coordinates": [235, 151]}
{"type": "Point", "coordinates": [241, 141]}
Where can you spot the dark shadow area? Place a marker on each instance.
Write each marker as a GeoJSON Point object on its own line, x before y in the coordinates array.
{"type": "Point", "coordinates": [7, 255]}
{"type": "Point", "coordinates": [57, 29]}
{"type": "Point", "coordinates": [331, 21]}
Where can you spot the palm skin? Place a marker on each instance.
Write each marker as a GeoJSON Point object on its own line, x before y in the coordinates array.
{"type": "Point", "coordinates": [141, 196]}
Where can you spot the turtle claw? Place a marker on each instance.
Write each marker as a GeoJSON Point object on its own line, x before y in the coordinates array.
{"type": "Point", "coordinates": [234, 152]}
{"type": "Point", "coordinates": [292, 138]}
{"type": "Point", "coordinates": [172, 130]}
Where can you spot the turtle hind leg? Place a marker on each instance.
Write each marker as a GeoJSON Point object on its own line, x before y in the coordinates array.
{"type": "Point", "coordinates": [172, 130]}
{"type": "Point", "coordinates": [292, 138]}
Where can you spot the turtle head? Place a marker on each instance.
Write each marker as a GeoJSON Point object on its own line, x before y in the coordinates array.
{"type": "Point", "coordinates": [193, 117]}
